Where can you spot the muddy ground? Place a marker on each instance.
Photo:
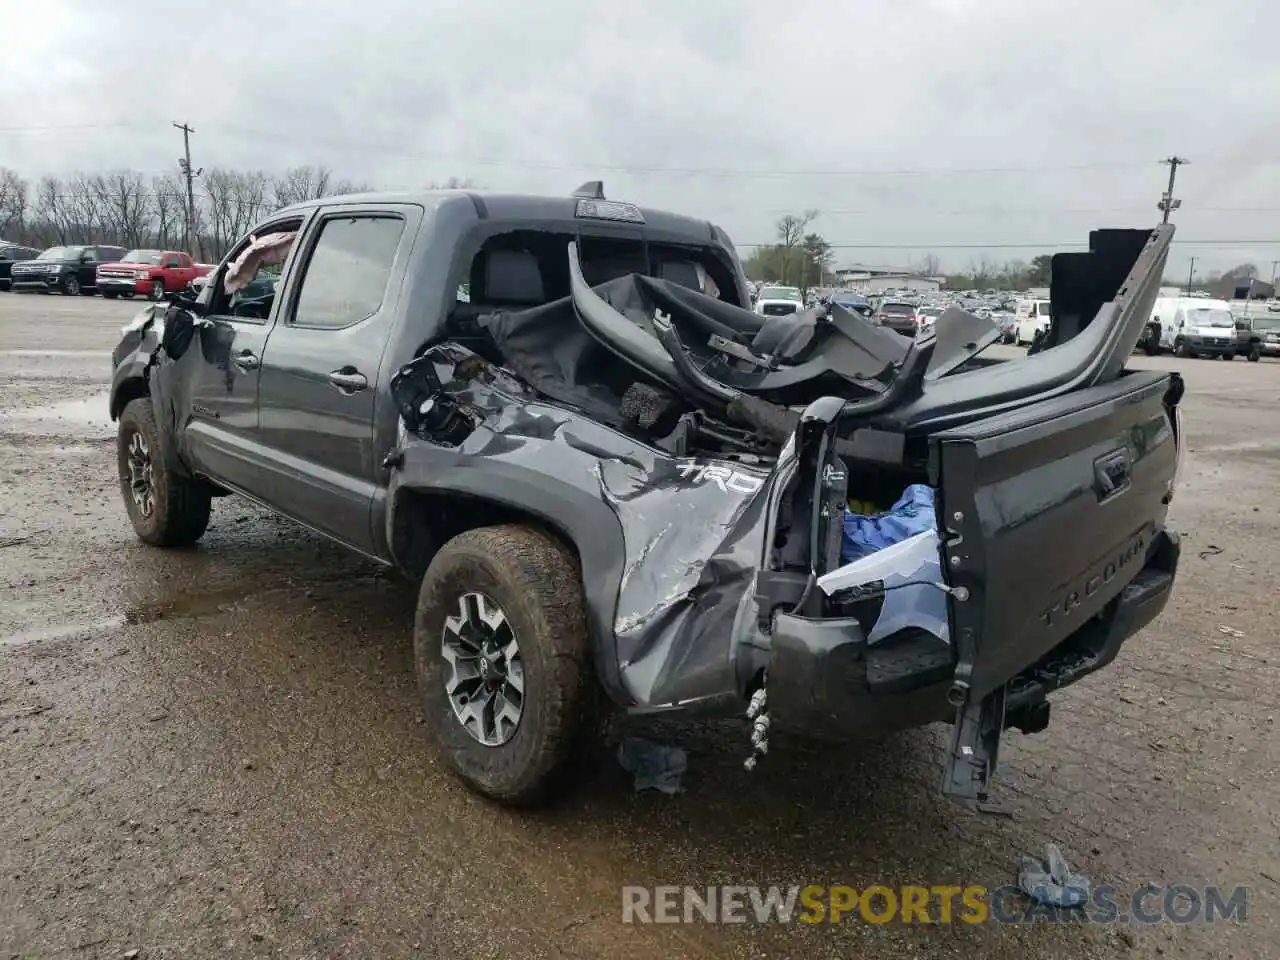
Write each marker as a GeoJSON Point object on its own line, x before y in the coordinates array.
{"type": "Point", "coordinates": [217, 752]}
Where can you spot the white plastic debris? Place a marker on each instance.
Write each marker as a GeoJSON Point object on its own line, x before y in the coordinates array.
{"type": "Point", "coordinates": [910, 575]}
{"type": "Point", "coordinates": [1055, 884]}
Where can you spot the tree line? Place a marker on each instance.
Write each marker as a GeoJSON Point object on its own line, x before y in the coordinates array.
{"type": "Point", "coordinates": [803, 258]}
{"type": "Point", "coordinates": [130, 209]}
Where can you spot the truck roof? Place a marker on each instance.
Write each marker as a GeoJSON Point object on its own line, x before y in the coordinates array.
{"type": "Point", "coordinates": [516, 206]}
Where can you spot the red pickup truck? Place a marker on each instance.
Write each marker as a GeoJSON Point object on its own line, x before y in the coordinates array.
{"type": "Point", "coordinates": [152, 273]}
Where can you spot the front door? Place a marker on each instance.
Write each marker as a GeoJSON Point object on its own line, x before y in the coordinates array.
{"type": "Point", "coordinates": [322, 366]}
{"type": "Point", "coordinates": [225, 360]}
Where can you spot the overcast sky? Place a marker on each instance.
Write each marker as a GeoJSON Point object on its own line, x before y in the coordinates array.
{"type": "Point", "coordinates": [912, 125]}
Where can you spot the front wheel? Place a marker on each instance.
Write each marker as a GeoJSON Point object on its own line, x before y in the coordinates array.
{"type": "Point", "coordinates": [71, 286]}
{"type": "Point", "coordinates": [1255, 354]}
{"type": "Point", "coordinates": [501, 656]}
{"type": "Point", "coordinates": [1228, 356]}
{"type": "Point", "coordinates": [165, 508]}
{"type": "Point", "coordinates": [1181, 349]}
{"type": "Point", "coordinates": [109, 294]}
{"type": "Point", "coordinates": [157, 290]}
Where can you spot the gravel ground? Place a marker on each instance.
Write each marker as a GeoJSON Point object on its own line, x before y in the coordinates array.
{"type": "Point", "coordinates": [216, 752]}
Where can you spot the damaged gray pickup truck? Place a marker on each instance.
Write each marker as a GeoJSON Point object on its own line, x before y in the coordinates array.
{"type": "Point", "coordinates": [562, 418]}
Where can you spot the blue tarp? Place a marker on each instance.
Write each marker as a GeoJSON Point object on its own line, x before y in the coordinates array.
{"type": "Point", "coordinates": [912, 514]}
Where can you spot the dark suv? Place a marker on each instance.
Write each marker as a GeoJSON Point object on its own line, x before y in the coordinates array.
{"type": "Point", "coordinates": [11, 253]}
{"type": "Point", "coordinates": [72, 270]}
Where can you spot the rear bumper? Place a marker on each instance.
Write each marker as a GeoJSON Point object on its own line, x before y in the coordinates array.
{"type": "Point", "coordinates": [817, 675]}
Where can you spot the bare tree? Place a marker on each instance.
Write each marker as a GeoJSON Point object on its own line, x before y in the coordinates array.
{"type": "Point", "coordinates": [983, 272]}
{"type": "Point", "coordinates": [235, 200]}
{"type": "Point", "coordinates": [929, 265]}
{"type": "Point", "coordinates": [14, 195]}
{"type": "Point", "coordinates": [299, 184]}
{"type": "Point", "coordinates": [52, 210]}
{"type": "Point", "coordinates": [452, 183]}
{"type": "Point", "coordinates": [791, 232]}
{"type": "Point", "coordinates": [168, 202]}
{"type": "Point", "coordinates": [124, 208]}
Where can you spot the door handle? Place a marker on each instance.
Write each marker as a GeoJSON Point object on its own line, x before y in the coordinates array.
{"type": "Point", "coordinates": [348, 380]}
{"type": "Point", "coordinates": [247, 361]}
{"type": "Point", "coordinates": [1111, 474]}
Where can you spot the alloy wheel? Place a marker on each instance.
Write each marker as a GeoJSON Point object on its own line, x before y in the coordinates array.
{"type": "Point", "coordinates": [141, 476]}
{"type": "Point", "coordinates": [484, 679]}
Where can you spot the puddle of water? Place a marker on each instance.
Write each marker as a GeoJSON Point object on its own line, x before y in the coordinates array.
{"type": "Point", "coordinates": [55, 353]}
{"type": "Point", "coordinates": [64, 631]}
{"type": "Point", "coordinates": [91, 412]}
{"type": "Point", "coordinates": [182, 607]}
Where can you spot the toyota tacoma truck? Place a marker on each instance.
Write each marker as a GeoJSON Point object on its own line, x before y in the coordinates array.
{"type": "Point", "coordinates": [149, 273]}
{"type": "Point", "coordinates": [559, 417]}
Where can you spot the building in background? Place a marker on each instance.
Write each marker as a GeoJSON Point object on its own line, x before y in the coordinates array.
{"type": "Point", "coordinates": [1242, 288]}
{"type": "Point", "coordinates": [867, 279]}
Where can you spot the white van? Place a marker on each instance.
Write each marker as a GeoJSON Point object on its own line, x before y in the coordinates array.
{"type": "Point", "coordinates": [1196, 326]}
{"type": "Point", "coordinates": [1031, 315]}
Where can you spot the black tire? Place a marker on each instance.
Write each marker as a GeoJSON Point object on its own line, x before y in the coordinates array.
{"type": "Point", "coordinates": [88, 291]}
{"type": "Point", "coordinates": [179, 507]}
{"type": "Point", "coordinates": [1180, 349]}
{"type": "Point", "coordinates": [157, 290]}
{"type": "Point", "coordinates": [536, 583]}
{"type": "Point", "coordinates": [109, 294]}
{"type": "Point", "coordinates": [71, 286]}
{"type": "Point", "coordinates": [1255, 354]}
{"type": "Point", "coordinates": [1228, 356]}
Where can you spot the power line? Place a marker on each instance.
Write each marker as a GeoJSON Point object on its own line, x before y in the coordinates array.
{"type": "Point", "coordinates": [390, 151]}
{"type": "Point", "coordinates": [997, 245]}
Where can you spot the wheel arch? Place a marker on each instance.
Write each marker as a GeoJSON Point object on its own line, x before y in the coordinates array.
{"type": "Point", "coordinates": [426, 512]}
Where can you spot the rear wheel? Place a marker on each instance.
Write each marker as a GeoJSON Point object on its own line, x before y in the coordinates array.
{"type": "Point", "coordinates": [165, 508]}
{"type": "Point", "coordinates": [1255, 354]}
{"type": "Point", "coordinates": [501, 655]}
{"type": "Point", "coordinates": [109, 294]}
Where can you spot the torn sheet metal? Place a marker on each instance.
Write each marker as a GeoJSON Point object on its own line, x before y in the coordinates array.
{"type": "Point", "coordinates": [682, 543]}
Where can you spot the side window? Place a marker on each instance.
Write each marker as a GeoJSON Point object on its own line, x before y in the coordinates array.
{"type": "Point", "coordinates": [90, 254]}
{"type": "Point", "coordinates": [246, 288]}
{"type": "Point", "coordinates": [172, 260]}
{"type": "Point", "coordinates": [346, 276]}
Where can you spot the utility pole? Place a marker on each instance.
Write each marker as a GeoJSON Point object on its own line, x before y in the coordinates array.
{"type": "Point", "coordinates": [184, 164]}
{"type": "Point", "coordinates": [1191, 272]}
{"type": "Point", "coordinates": [1274, 265]}
{"type": "Point", "coordinates": [1167, 203]}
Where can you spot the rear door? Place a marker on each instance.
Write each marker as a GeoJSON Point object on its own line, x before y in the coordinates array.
{"type": "Point", "coordinates": [1055, 505]}
{"type": "Point", "coordinates": [321, 369]}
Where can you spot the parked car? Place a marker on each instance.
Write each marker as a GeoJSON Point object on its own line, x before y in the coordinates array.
{"type": "Point", "coordinates": [594, 496]}
{"type": "Point", "coordinates": [899, 316]}
{"type": "Point", "coordinates": [1007, 321]}
{"type": "Point", "coordinates": [1194, 327]}
{"type": "Point", "coordinates": [1266, 330]}
{"type": "Point", "coordinates": [1033, 317]}
{"type": "Point", "coordinates": [151, 273]}
{"type": "Point", "coordinates": [11, 253]}
{"type": "Point", "coordinates": [927, 317]}
{"type": "Point", "coordinates": [773, 301]}
{"type": "Point", "coordinates": [71, 270]}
